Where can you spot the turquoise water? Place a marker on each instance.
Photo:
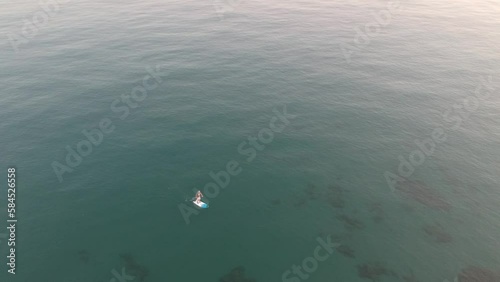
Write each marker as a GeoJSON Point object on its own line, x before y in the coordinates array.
{"type": "Point", "coordinates": [226, 68]}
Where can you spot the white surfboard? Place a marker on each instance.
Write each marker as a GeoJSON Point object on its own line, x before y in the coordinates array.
{"type": "Point", "coordinates": [201, 204]}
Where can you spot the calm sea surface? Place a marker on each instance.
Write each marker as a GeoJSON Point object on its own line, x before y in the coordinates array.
{"type": "Point", "coordinates": [359, 105]}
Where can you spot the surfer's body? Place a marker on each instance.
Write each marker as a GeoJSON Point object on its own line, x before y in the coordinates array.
{"type": "Point", "coordinates": [198, 196]}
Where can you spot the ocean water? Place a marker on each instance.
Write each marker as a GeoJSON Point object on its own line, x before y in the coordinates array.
{"type": "Point", "coordinates": [363, 83]}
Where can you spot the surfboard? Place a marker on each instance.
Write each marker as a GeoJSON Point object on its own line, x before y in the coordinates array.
{"type": "Point", "coordinates": [201, 204]}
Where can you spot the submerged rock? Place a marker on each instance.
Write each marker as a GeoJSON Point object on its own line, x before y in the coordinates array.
{"type": "Point", "coordinates": [311, 191]}
{"type": "Point", "coordinates": [336, 202]}
{"type": "Point", "coordinates": [237, 274]}
{"type": "Point", "coordinates": [300, 202]}
{"type": "Point", "coordinates": [373, 271]}
{"type": "Point", "coordinates": [410, 277]}
{"type": "Point", "coordinates": [83, 255]}
{"type": "Point", "coordinates": [378, 212]}
{"type": "Point", "coordinates": [350, 222]}
{"type": "Point", "coordinates": [276, 202]}
{"type": "Point", "coordinates": [133, 268]}
{"type": "Point", "coordinates": [346, 251]}
{"type": "Point", "coordinates": [335, 196]}
{"type": "Point", "coordinates": [437, 232]}
{"type": "Point", "coordinates": [478, 274]}
{"type": "Point", "coordinates": [420, 192]}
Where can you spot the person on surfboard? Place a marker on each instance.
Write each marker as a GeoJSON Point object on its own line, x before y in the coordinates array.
{"type": "Point", "coordinates": [198, 196]}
